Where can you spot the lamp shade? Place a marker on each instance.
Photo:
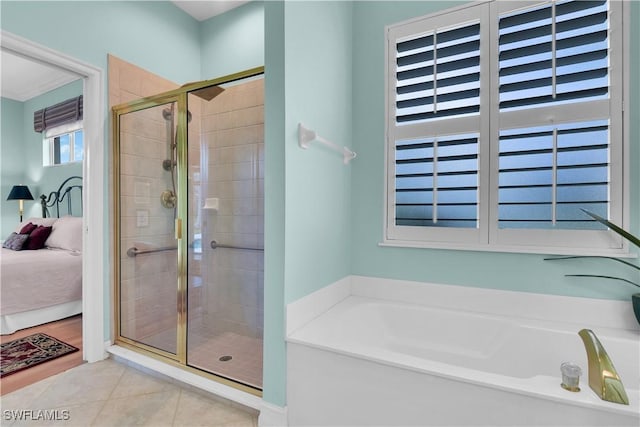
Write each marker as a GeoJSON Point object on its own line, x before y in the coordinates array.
{"type": "Point", "coordinates": [20, 192]}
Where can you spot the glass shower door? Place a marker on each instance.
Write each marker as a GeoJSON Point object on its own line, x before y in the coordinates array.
{"type": "Point", "coordinates": [147, 197]}
{"type": "Point", "coordinates": [225, 230]}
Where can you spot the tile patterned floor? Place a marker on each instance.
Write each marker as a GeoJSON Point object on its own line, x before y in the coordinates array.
{"type": "Point", "coordinates": [109, 393]}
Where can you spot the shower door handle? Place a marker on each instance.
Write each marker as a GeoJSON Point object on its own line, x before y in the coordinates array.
{"type": "Point", "coordinates": [178, 228]}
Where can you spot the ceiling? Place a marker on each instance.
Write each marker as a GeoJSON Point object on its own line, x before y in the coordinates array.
{"type": "Point", "coordinates": [23, 79]}
{"type": "Point", "coordinates": [203, 10]}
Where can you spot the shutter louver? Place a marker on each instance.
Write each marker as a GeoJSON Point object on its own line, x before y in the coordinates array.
{"type": "Point", "coordinates": [438, 75]}
{"type": "Point", "coordinates": [557, 53]}
{"type": "Point", "coordinates": [547, 174]}
{"type": "Point", "coordinates": [437, 181]}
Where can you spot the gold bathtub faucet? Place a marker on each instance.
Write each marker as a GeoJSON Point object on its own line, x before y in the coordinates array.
{"type": "Point", "coordinates": [603, 378]}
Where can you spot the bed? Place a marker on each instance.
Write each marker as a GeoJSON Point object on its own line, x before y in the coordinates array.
{"type": "Point", "coordinates": [43, 284]}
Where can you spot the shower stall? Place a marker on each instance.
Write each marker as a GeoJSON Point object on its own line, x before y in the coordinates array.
{"type": "Point", "coordinates": [189, 227]}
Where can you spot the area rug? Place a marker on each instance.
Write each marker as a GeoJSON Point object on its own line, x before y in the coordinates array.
{"type": "Point", "coordinates": [26, 352]}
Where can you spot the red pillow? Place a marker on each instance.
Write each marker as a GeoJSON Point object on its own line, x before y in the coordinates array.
{"type": "Point", "coordinates": [28, 228]}
{"type": "Point", "coordinates": [37, 238]}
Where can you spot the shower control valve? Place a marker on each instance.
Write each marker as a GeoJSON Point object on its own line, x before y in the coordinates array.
{"type": "Point", "coordinates": [168, 199]}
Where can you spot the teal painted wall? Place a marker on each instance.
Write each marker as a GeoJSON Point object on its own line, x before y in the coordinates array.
{"type": "Point", "coordinates": [155, 35]}
{"type": "Point", "coordinates": [12, 152]}
{"type": "Point", "coordinates": [519, 272]}
{"type": "Point", "coordinates": [233, 41]}
{"type": "Point", "coordinates": [318, 184]}
{"type": "Point", "coordinates": [308, 192]}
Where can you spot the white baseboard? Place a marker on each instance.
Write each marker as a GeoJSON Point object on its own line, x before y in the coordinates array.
{"type": "Point", "coordinates": [272, 415]}
{"type": "Point", "coordinates": [107, 344]}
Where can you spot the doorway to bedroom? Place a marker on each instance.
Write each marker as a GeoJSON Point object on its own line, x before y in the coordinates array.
{"type": "Point", "coordinates": [189, 196]}
{"type": "Point", "coordinates": [93, 221]}
{"type": "Point", "coordinates": [42, 154]}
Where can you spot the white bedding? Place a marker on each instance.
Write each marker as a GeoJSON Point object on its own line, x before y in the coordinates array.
{"type": "Point", "coordinates": [40, 279]}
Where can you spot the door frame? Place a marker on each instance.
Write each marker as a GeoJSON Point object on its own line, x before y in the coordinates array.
{"type": "Point", "coordinates": [93, 219]}
{"type": "Point", "coordinates": [144, 104]}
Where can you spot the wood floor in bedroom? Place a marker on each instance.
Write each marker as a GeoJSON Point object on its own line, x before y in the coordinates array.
{"type": "Point", "coordinates": [68, 330]}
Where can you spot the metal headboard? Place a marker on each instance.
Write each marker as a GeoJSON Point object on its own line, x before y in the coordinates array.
{"type": "Point", "coordinates": [57, 197]}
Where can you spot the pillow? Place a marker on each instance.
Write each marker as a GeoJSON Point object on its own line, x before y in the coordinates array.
{"type": "Point", "coordinates": [15, 241]}
{"type": "Point", "coordinates": [66, 234]}
{"type": "Point", "coordinates": [27, 229]}
{"type": "Point", "coordinates": [47, 222]}
{"type": "Point", "coordinates": [37, 238]}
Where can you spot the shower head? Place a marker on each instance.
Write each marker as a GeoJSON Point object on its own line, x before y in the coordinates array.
{"type": "Point", "coordinates": [208, 93]}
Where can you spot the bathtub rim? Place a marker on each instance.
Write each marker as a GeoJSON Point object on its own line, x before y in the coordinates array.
{"type": "Point", "coordinates": [311, 307]}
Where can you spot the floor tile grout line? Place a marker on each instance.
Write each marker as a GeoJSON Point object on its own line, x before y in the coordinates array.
{"type": "Point", "coordinates": [175, 411]}
{"type": "Point", "coordinates": [104, 403]}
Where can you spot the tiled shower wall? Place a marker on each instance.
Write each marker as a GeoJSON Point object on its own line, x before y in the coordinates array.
{"type": "Point", "coordinates": [148, 282]}
{"type": "Point", "coordinates": [231, 160]}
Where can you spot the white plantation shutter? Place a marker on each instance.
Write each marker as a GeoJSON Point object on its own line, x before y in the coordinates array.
{"type": "Point", "coordinates": [434, 102]}
{"type": "Point", "coordinates": [437, 181]}
{"type": "Point", "coordinates": [548, 174]}
{"type": "Point", "coordinates": [504, 123]}
{"type": "Point", "coordinates": [552, 58]}
{"type": "Point", "coordinates": [554, 53]}
{"type": "Point", "coordinates": [438, 74]}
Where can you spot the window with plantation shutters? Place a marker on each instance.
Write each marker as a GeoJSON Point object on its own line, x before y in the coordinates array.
{"type": "Point", "coordinates": [505, 123]}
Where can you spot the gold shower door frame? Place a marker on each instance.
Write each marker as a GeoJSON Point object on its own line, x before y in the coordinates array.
{"type": "Point", "coordinates": [179, 96]}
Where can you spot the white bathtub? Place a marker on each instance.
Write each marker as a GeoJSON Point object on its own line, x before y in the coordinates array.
{"type": "Point", "coordinates": [373, 361]}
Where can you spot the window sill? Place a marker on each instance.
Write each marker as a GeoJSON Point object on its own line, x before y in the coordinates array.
{"type": "Point", "coordinates": [57, 165]}
{"type": "Point", "coordinates": [617, 253]}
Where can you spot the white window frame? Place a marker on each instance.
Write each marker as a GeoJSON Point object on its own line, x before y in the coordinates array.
{"type": "Point", "coordinates": [48, 148]}
{"type": "Point", "coordinates": [488, 236]}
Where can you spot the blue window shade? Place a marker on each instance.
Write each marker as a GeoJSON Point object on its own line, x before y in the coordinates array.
{"type": "Point", "coordinates": [437, 181]}
{"type": "Point", "coordinates": [548, 173]}
{"type": "Point", "coordinates": [438, 75]}
{"type": "Point", "coordinates": [553, 54]}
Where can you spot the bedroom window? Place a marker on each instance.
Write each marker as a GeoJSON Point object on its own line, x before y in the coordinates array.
{"type": "Point", "coordinates": [63, 144]}
{"type": "Point", "coordinates": [504, 121]}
